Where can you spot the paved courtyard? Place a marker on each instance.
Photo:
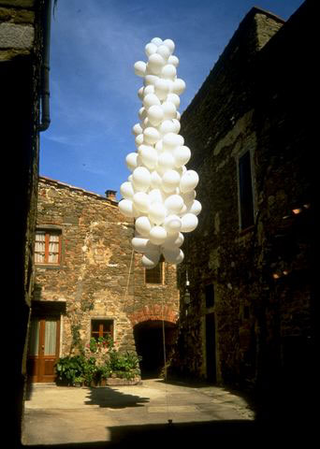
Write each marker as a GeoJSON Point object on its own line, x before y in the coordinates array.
{"type": "Point", "coordinates": [60, 415]}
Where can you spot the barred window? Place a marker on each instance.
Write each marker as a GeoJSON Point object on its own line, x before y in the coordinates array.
{"type": "Point", "coordinates": [48, 247]}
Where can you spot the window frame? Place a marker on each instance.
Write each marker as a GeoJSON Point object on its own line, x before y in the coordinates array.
{"type": "Point", "coordinates": [100, 332]}
{"type": "Point", "coordinates": [244, 227]}
{"type": "Point", "coordinates": [149, 271]}
{"type": "Point", "coordinates": [49, 232]}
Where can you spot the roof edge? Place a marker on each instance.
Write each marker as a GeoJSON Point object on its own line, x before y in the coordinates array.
{"type": "Point", "coordinates": [71, 187]}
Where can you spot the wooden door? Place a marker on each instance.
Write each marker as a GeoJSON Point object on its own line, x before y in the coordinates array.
{"type": "Point", "coordinates": [43, 349]}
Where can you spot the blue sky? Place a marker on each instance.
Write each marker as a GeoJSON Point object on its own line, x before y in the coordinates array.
{"type": "Point", "coordinates": [94, 101]}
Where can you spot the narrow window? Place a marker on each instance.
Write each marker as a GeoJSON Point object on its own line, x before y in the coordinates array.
{"type": "Point", "coordinates": [102, 328]}
{"type": "Point", "coordinates": [154, 275]}
{"type": "Point", "coordinates": [48, 247]}
{"type": "Point", "coordinates": [209, 292]}
{"type": "Point", "coordinates": [245, 191]}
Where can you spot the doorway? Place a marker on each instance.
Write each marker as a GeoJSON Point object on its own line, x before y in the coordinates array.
{"type": "Point", "coordinates": [43, 348]}
{"type": "Point", "coordinates": [148, 337]}
{"type": "Point", "coordinates": [211, 347]}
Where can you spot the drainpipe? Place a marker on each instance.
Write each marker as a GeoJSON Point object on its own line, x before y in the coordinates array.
{"type": "Point", "coordinates": [45, 92]}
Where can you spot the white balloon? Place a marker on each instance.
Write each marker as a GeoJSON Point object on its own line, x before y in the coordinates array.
{"type": "Point", "coordinates": [141, 178]}
{"type": "Point", "coordinates": [174, 255]}
{"type": "Point", "coordinates": [174, 60]}
{"type": "Point", "coordinates": [126, 207]}
{"type": "Point", "coordinates": [172, 140]}
{"type": "Point", "coordinates": [148, 90]}
{"type": "Point", "coordinates": [141, 201]}
{"type": "Point", "coordinates": [157, 41]}
{"type": "Point", "coordinates": [157, 235]}
{"type": "Point", "coordinates": [195, 207]}
{"type": "Point", "coordinates": [161, 89]}
{"type": "Point", "coordinates": [140, 68]}
{"type": "Point", "coordinates": [170, 44]}
{"type": "Point", "coordinates": [150, 100]}
{"type": "Point", "coordinates": [150, 260]}
{"type": "Point", "coordinates": [150, 80]}
{"type": "Point", "coordinates": [189, 223]}
{"type": "Point", "coordinates": [155, 196]}
{"type": "Point", "coordinates": [155, 115]}
{"type": "Point", "coordinates": [164, 51]}
{"type": "Point", "coordinates": [139, 140]}
{"type": "Point", "coordinates": [182, 155]}
{"type": "Point", "coordinates": [143, 226]}
{"type": "Point", "coordinates": [149, 156]}
{"type": "Point", "coordinates": [151, 135]}
{"type": "Point", "coordinates": [188, 197]}
{"type": "Point", "coordinates": [165, 161]}
{"type": "Point", "coordinates": [172, 224]}
{"type": "Point", "coordinates": [167, 126]}
{"type": "Point", "coordinates": [177, 126]}
{"type": "Point", "coordinates": [178, 86]}
{"type": "Point", "coordinates": [174, 204]}
{"type": "Point", "coordinates": [189, 181]}
{"type": "Point", "coordinates": [131, 160]}
{"type": "Point", "coordinates": [126, 190]}
{"type": "Point", "coordinates": [158, 146]}
{"type": "Point", "coordinates": [170, 180]}
{"type": "Point", "coordinates": [155, 63]}
{"type": "Point", "coordinates": [139, 244]}
{"type": "Point", "coordinates": [169, 110]}
{"type": "Point", "coordinates": [155, 180]}
{"type": "Point", "coordinates": [157, 213]}
{"type": "Point", "coordinates": [136, 129]}
{"type": "Point", "coordinates": [169, 72]}
{"type": "Point", "coordinates": [142, 113]}
{"type": "Point", "coordinates": [175, 239]}
{"type": "Point", "coordinates": [140, 93]}
{"type": "Point", "coordinates": [150, 49]}
{"type": "Point", "coordinates": [174, 98]}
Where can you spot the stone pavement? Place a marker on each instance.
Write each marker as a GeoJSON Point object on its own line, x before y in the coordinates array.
{"type": "Point", "coordinates": [60, 415]}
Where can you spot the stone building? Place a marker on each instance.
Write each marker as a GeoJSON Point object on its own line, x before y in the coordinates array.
{"type": "Point", "coordinates": [89, 282]}
{"type": "Point", "coordinates": [23, 44]}
{"type": "Point", "coordinates": [247, 294]}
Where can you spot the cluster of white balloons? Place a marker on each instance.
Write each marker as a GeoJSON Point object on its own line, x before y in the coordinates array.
{"type": "Point", "coordinates": [160, 192]}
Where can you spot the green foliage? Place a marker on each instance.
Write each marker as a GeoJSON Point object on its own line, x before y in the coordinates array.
{"type": "Point", "coordinates": [69, 368]}
{"type": "Point", "coordinates": [99, 360]}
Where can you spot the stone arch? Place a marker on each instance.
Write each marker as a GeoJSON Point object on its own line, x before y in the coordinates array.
{"type": "Point", "coordinates": [154, 313]}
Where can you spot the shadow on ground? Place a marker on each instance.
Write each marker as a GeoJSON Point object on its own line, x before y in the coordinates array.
{"type": "Point", "coordinates": [226, 433]}
{"type": "Point", "coordinates": [112, 398]}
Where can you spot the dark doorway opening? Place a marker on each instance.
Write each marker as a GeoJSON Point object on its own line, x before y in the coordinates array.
{"type": "Point", "coordinates": [149, 344]}
{"type": "Point", "coordinates": [211, 347]}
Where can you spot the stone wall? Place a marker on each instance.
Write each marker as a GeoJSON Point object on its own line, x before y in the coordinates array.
{"type": "Point", "coordinates": [20, 65]}
{"type": "Point", "coordinates": [99, 275]}
{"type": "Point", "coordinates": [261, 275]}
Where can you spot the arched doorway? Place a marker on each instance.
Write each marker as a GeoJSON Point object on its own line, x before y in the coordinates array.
{"type": "Point", "coordinates": [149, 345]}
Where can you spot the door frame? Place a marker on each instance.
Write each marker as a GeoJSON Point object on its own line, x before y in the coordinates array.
{"type": "Point", "coordinates": [37, 364]}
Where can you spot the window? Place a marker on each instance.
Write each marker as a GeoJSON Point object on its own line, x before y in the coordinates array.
{"type": "Point", "coordinates": [209, 292]}
{"type": "Point", "coordinates": [48, 247]}
{"type": "Point", "coordinates": [155, 275]}
{"type": "Point", "coordinates": [245, 192]}
{"type": "Point", "coordinates": [101, 328]}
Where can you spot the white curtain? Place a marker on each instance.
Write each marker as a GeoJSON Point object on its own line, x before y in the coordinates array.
{"type": "Point", "coordinates": [50, 338]}
{"type": "Point", "coordinates": [40, 247]}
{"type": "Point", "coordinates": [53, 249]}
